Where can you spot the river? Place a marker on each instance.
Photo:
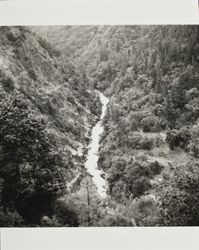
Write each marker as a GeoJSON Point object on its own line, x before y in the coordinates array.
{"type": "Point", "coordinates": [92, 157]}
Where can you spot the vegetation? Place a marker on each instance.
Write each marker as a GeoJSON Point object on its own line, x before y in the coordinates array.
{"type": "Point", "coordinates": [45, 115]}
{"type": "Point", "coordinates": [179, 196]}
{"type": "Point", "coordinates": [31, 169]}
{"type": "Point", "coordinates": [149, 149]}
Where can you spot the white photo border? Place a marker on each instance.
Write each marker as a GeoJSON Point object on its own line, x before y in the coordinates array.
{"type": "Point", "coordinates": [93, 12]}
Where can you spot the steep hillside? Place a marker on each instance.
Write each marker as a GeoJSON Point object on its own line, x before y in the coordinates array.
{"type": "Point", "coordinates": [150, 74]}
{"type": "Point", "coordinates": [32, 71]}
{"type": "Point", "coordinates": [51, 84]}
{"type": "Point", "coordinates": [151, 128]}
{"type": "Point", "coordinates": [148, 150]}
{"type": "Point", "coordinates": [76, 42]}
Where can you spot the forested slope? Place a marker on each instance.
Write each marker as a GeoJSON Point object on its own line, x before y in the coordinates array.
{"type": "Point", "coordinates": [150, 145]}
{"type": "Point", "coordinates": [149, 150]}
{"type": "Point", "coordinates": [46, 113]}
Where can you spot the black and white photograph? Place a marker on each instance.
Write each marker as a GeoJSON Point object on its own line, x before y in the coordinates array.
{"type": "Point", "coordinates": [99, 126]}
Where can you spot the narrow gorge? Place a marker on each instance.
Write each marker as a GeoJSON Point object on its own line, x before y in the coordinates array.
{"type": "Point", "coordinates": [99, 126]}
{"type": "Point", "coordinates": [98, 176]}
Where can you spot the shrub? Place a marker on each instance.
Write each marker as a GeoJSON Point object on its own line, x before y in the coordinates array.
{"type": "Point", "coordinates": [184, 137]}
{"type": "Point", "coordinates": [144, 210]}
{"type": "Point", "coordinates": [10, 219]}
{"type": "Point", "coordinates": [66, 214]}
{"type": "Point", "coordinates": [32, 74]}
{"type": "Point", "coordinates": [7, 81]}
{"type": "Point", "coordinates": [156, 168]}
{"type": "Point", "coordinates": [172, 138]}
{"type": "Point", "coordinates": [180, 196]}
{"type": "Point", "coordinates": [135, 140]}
{"type": "Point", "coordinates": [136, 179]}
{"type": "Point", "coordinates": [140, 186]}
{"type": "Point", "coordinates": [178, 138]}
{"type": "Point", "coordinates": [150, 124]}
{"type": "Point", "coordinates": [134, 125]}
{"type": "Point", "coordinates": [115, 220]}
{"type": "Point", "coordinates": [31, 167]}
{"type": "Point", "coordinates": [194, 147]}
{"type": "Point", "coordinates": [147, 143]}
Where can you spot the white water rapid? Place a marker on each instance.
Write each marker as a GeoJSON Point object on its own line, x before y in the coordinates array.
{"type": "Point", "coordinates": [92, 157]}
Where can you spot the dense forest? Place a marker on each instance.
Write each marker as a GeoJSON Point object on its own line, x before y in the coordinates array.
{"type": "Point", "coordinates": [149, 149]}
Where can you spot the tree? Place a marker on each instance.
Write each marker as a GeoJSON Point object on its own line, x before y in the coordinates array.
{"type": "Point", "coordinates": [150, 124]}
{"type": "Point", "coordinates": [31, 167]}
{"type": "Point", "coordinates": [180, 196]}
{"type": "Point", "coordinates": [136, 178]}
{"type": "Point", "coordinates": [171, 113]}
{"type": "Point", "coordinates": [178, 94]}
{"type": "Point", "coordinates": [172, 138]}
{"type": "Point", "coordinates": [178, 138]}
